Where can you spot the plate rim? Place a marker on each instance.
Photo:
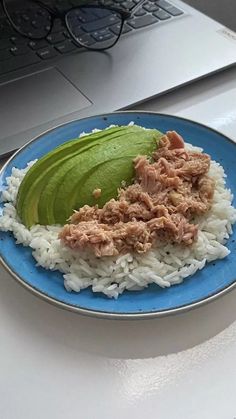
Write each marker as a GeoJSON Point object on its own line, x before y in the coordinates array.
{"type": "Point", "coordinates": [106, 314]}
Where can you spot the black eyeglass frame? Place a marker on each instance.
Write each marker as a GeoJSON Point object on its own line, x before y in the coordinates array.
{"type": "Point", "coordinates": [55, 14]}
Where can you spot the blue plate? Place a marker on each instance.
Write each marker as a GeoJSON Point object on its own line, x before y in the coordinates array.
{"type": "Point", "coordinates": [214, 280]}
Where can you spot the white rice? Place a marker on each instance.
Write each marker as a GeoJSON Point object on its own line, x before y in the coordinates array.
{"type": "Point", "coordinates": [164, 266]}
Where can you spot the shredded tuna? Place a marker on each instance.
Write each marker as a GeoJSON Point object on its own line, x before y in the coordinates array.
{"type": "Point", "coordinates": [108, 239]}
{"type": "Point", "coordinates": [158, 208]}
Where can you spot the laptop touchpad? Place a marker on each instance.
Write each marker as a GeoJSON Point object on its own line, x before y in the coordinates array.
{"type": "Point", "coordinates": [37, 99]}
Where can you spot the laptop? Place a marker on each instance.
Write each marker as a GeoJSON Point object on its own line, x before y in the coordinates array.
{"type": "Point", "coordinates": [166, 45]}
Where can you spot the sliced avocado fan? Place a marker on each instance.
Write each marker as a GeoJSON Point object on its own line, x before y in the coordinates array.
{"type": "Point", "coordinates": [65, 178]}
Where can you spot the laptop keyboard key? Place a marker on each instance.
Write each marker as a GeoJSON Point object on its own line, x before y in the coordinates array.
{"type": "Point", "coordinates": [66, 47]}
{"type": "Point", "coordinates": [35, 45]}
{"type": "Point", "coordinates": [36, 24]}
{"type": "Point", "coordinates": [19, 40]}
{"type": "Point", "coordinates": [101, 23]}
{"type": "Point", "coordinates": [126, 29]}
{"type": "Point", "coordinates": [20, 50]}
{"type": "Point", "coordinates": [86, 40]}
{"type": "Point", "coordinates": [102, 35]}
{"type": "Point", "coordinates": [102, 13]}
{"type": "Point", "coordinates": [116, 29]}
{"type": "Point", "coordinates": [128, 4]}
{"type": "Point", "coordinates": [47, 53]}
{"type": "Point", "coordinates": [55, 38]}
{"type": "Point", "coordinates": [150, 7]}
{"type": "Point", "coordinates": [17, 62]}
{"type": "Point", "coordinates": [57, 26]}
{"type": "Point", "coordinates": [163, 3]}
{"type": "Point", "coordinates": [162, 14]}
{"type": "Point", "coordinates": [174, 11]}
{"type": "Point", "coordinates": [142, 21]}
{"type": "Point", "coordinates": [140, 12]}
{"type": "Point", "coordinates": [102, 38]}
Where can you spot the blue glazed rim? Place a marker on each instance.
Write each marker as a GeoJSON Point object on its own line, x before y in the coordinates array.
{"type": "Point", "coordinates": [107, 314]}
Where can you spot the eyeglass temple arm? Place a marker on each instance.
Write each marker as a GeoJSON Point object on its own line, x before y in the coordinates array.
{"type": "Point", "coordinates": [134, 8]}
{"type": "Point", "coordinates": [127, 13]}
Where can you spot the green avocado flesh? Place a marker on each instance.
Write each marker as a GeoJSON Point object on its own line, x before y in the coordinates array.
{"type": "Point", "coordinates": [65, 178]}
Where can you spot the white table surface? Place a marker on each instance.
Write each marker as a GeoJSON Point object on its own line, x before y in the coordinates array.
{"type": "Point", "coordinates": [56, 364]}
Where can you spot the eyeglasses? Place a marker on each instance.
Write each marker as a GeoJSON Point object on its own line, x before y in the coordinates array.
{"type": "Point", "coordinates": [92, 26]}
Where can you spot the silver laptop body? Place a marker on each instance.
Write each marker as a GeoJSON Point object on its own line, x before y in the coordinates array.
{"type": "Point", "coordinates": [144, 63]}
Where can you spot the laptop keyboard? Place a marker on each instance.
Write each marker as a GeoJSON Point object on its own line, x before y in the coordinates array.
{"type": "Point", "coordinates": [17, 52]}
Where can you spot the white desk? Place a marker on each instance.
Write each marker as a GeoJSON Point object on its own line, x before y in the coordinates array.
{"type": "Point", "coordinates": [56, 364]}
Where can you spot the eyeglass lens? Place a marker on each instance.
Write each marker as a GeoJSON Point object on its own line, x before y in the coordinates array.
{"type": "Point", "coordinates": [29, 18]}
{"type": "Point", "coordinates": [94, 27]}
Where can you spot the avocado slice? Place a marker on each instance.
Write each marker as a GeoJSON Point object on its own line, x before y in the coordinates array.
{"type": "Point", "coordinates": [101, 177]}
{"type": "Point", "coordinates": [39, 174]}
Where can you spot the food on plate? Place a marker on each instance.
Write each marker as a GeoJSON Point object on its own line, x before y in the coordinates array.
{"type": "Point", "coordinates": [158, 207]}
{"type": "Point", "coordinates": [65, 179]}
{"type": "Point", "coordinates": [171, 216]}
